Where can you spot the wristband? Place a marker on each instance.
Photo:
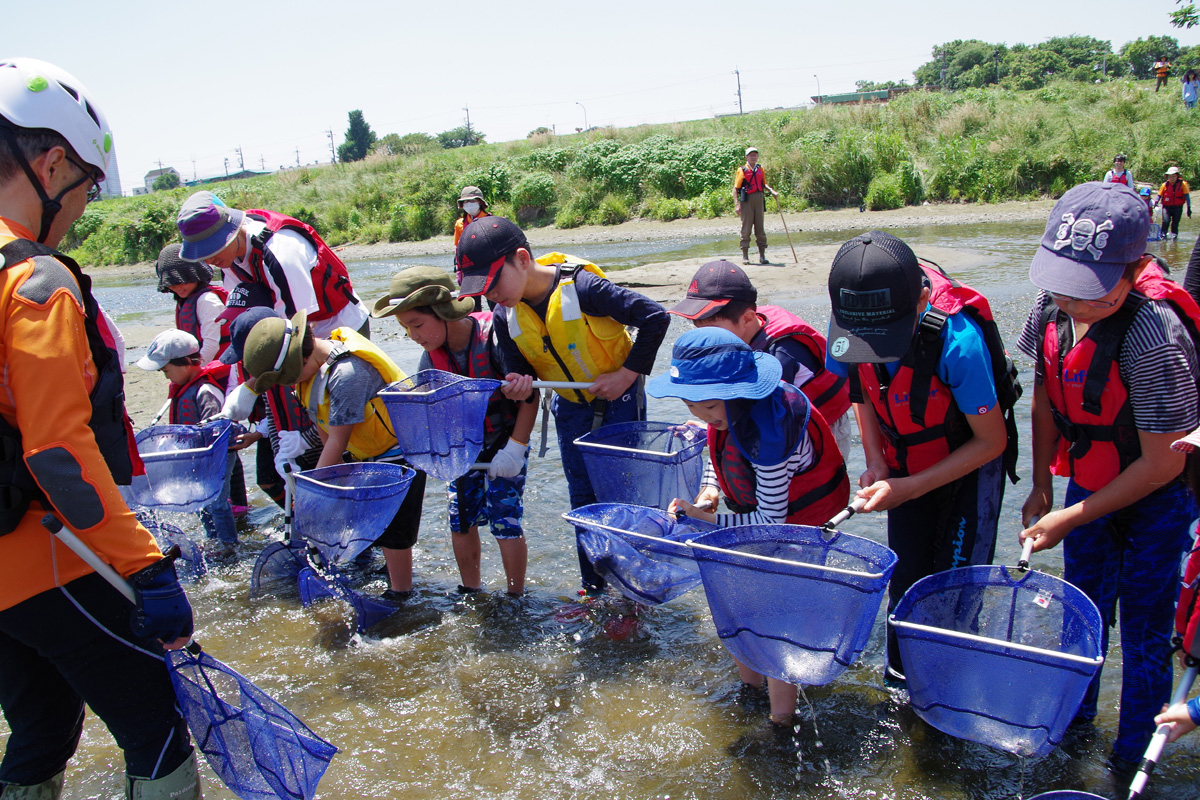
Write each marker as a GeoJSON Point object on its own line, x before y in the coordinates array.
{"type": "Point", "coordinates": [515, 440]}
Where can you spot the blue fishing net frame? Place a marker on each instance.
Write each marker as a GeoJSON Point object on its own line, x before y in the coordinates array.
{"type": "Point", "coordinates": [326, 484]}
{"type": "Point", "coordinates": [438, 418]}
{"type": "Point", "coordinates": [643, 463]}
{"type": "Point", "coordinates": [1017, 685]}
{"type": "Point", "coordinates": [212, 445]}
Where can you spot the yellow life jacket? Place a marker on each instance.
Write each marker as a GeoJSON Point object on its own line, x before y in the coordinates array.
{"type": "Point", "coordinates": [568, 345]}
{"type": "Point", "coordinates": [373, 436]}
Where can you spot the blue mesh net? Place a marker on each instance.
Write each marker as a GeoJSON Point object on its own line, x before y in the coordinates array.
{"type": "Point", "coordinates": [191, 564]}
{"type": "Point", "coordinates": [258, 748]}
{"type": "Point", "coordinates": [342, 509]}
{"type": "Point", "coordinates": [643, 463]}
{"type": "Point", "coordinates": [649, 571]}
{"type": "Point", "coordinates": [316, 585]}
{"type": "Point", "coordinates": [185, 466]}
{"type": "Point", "coordinates": [439, 418]}
{"type": "Point", "coordinates": [764, 611]}
{"type": "Point", "coordinates": [277, 567]}
{"type": "Point", "coordinates": [1067, 795]}
{"type": "Point", "coordinates": [984, 689]}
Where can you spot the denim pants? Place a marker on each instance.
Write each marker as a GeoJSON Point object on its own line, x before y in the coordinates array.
{"type": "Point", "coordinates": [217, 516]}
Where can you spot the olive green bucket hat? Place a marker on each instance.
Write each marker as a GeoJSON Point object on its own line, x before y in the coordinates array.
{"type": "Point", "coordinates": [272, 353]}
{"type": "Point", "coordinates": [471, 193]}
{"type": "Point", "coordinates": [423, 287]}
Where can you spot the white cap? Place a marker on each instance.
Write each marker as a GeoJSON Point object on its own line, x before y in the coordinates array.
{"type": "Point", "coordinates": [1172, 170]}
{"type": "Point", "coordinates": [750, 150]}
{"type": "Point", "coordinates": [166, 346]}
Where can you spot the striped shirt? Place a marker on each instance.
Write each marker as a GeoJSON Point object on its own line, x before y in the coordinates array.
{"type": "Point", "coordinates": [1157, 361]}
{"type": "Point", "coordinates": [771, 486]}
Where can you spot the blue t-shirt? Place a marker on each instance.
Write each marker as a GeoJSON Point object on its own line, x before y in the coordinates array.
{"type": "Point", "coordinates": [965, 366]}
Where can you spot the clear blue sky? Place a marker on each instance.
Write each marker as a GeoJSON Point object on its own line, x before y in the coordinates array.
{"type": "Point", "coordinates": [192, 81]}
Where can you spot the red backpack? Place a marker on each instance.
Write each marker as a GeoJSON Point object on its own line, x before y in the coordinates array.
{"type": "Point", "coordinates": [1187, 613]}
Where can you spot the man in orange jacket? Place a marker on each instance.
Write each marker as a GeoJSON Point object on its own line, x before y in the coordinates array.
{"type": "Point", "coordinates": [66, 637]}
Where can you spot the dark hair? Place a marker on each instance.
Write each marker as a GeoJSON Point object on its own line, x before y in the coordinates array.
{"type": "Point", "coordinates": [734, 310]}
{"type": "Point", "coordinates": [523, 246]}
{"type": "Point", "coordinates": [32, 143]}
{"type": "Point", "coordinates": [192, 360]}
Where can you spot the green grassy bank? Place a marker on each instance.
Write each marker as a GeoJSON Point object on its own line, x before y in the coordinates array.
{"type": "Point", "coordinates": [978, 145]}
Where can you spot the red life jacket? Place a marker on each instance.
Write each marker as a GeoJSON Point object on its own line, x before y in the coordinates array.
{"type": "Point", "coordinates": [829, 393]}
{"type": "Point", "coordinates": [501, 412]}
{"type": "Point", "coordinates": [330, 280]}
{"type": "Point", "coordinates": [186, 318]}
{"type": "Point", "coordinates": [920, 421]}
{"type": "Point", "coordinates": [1187, 613]}
{"type": "Point", "coordinates": [1088, 400]}
{"type": "Point", "coordinates": [753, 180]}
{"type": "Point", "coordinates": [1122, 178]}
{"type": "Point", "coordinates": [815, 495]}
{"type": "Point", "coordinates": [1172, 194]}
{"type": "Point", "coordinates": [184, 408]}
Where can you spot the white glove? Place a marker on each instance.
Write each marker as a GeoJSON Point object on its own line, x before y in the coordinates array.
{"type": "Point", "coordinates": [280, 461]}
{"type": "Point", "coordinates": [508, 462]}
{"type": "Point", "coordinates": [291, 444]}
{"type": "Point", "coordinates": [238, 403]}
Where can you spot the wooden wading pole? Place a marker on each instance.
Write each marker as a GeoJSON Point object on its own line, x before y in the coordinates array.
{"type": "Point", "coordinates": [785, 229]}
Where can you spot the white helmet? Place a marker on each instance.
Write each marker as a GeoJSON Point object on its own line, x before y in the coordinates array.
{"type": "Point", "coordinates": [35, 94]}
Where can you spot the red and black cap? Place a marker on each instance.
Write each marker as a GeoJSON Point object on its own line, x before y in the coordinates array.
{"type": "Point", "coordinates": [484, 245]}
{"type": "Point", "coordinates": [712, 287]}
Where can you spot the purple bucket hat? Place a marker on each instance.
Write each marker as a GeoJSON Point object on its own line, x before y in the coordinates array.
{"type": "Point", "coordinates": [207, 226]}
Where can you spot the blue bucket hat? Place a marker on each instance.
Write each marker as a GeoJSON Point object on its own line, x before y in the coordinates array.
{"type": "Point", "coordinates": [1094, 230]}
{"type": "Point", "coordinates": [714, 364]}
{"type": "Point", "coordinates": [207, 226]}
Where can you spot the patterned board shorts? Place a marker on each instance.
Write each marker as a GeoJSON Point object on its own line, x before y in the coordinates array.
{"type": "Point", "coordinates": [495, 502]}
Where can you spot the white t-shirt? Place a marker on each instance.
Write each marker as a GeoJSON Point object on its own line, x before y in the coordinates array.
{"type": "Point", "coordinates": [297, 258]}
{"type": "Point", "coordinates": [208, 306]}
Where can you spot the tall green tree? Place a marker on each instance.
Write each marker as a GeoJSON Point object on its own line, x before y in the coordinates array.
{"type": "Point", "coordinates": [460, 137]}
{"type": "Point", "coordinates": [359, 138]}
{"type": "Point", "coordinates": [1186, 16]}
{"type": "Point", "coordinates": [168, 180]}
{"type": "Point", "coordinates": [1142, 53]}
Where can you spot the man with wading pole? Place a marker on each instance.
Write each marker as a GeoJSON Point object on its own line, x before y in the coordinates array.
{"type": "Point", "coordinates": [750, 202]}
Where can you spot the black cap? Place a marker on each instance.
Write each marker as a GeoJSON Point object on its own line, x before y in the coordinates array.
{"type": "Point", "coordinates": [874, 286]}
{"type": "Point", "coordinates": [712, 287]}
{"type": "Point", "coordinates": [484, 245]}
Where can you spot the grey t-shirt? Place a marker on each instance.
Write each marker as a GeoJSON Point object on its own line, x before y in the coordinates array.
{"type": "Point", "coordinates": [351, 384]}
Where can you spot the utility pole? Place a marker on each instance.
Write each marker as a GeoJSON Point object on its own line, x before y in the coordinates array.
{"type": "Point", "coordinates": [160, 163]}
{"type": "Point", "coordinates": [226, 167]}
{"type": "Point", "coordinates": [739, 91]}
{"type": "Point", "coordinates": [332, 149]}
{"type": "Point", "coordinates": [468, 137]}
{"type": "Point", "coordinates": [262, 162]}
{"type": "Point", "coordinates": [194, 169]}
{"type": "Point", "coordinates": [819, 95]}
{"type": "Point", "coordinates": [297, 156]}
{"type": "Point", "coordinates": [241, 161]}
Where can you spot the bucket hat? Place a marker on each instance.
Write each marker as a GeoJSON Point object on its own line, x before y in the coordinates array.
{"type": "Point", "coordinates": [173, 270]}
{"type": "Point", "coordinates": [471, 193]}
{"type": "Point", "coordinates": [272, 351]}
{"type": "Point", "coordinates": [423, 287]}
{"type": "Point", "coordinates": [207, 226]}
{"type": "Point", "coordinates": [714, 364]}
{"type": "Point", "coordinates": [1094, 231]}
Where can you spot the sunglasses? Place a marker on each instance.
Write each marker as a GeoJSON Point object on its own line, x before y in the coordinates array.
{"type": "Point", "coordinates": [89, 174]}
{"type": "Point", "coordinates": [1065, 298]}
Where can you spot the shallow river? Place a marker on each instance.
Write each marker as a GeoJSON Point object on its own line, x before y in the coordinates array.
{"type": "Point", "coordinates": [495, 699]}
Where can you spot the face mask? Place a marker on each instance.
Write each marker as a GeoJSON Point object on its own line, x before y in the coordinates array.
{"type": "Point", "coordinates": [471, 207]}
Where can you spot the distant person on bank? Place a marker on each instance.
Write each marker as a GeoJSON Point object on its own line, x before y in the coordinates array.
{"type": "Point", "coordinates": [750, 202]}
{"type": "Point", "coordinates": [1191, 88]}
{"type": "Point", "coordinates": [1172, 196]}
{"type": "Point", "coordinates": [279, 252]}
{"type": "Point", "coordinates": [1118, 173]}
{"type": "Point", "coordinates": [1162, 71]}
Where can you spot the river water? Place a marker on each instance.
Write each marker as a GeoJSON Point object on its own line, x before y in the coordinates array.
{"type": "Point", "coordinates": [491, 698]}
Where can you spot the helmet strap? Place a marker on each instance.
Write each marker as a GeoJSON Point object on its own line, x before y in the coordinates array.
{"type": "Point", "coordinates": [50, 205]}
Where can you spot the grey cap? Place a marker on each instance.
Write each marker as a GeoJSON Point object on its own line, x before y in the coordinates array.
{"type": "Point", "coordinates": [166, 346]}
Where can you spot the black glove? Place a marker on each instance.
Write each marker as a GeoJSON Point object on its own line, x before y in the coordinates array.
{"type": "Point", "coordinates": [162, 610]}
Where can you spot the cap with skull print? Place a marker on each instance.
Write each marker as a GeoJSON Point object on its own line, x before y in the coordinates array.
{"type": "Point", "coordinates": [1094, 231]}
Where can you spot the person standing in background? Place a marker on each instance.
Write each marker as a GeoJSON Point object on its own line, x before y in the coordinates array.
{"type": "Point", "coordinates": [1191, 88]}
{"type": "Point", "coordinates": [750, 202]}
{"type": "Point", "coordinates": [1172, 196]}
{"type": "Point", "coordinates": [1118, 173]}
{"type": "Point", "coordinates": [1162, 70]}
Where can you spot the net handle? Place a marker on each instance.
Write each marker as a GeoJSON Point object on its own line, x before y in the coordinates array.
{"type": "Point", "coordinates": [845, 514]}
{"type": "Point", "coordinates": [77, 546]}
{"type": "Point", "coordinates": [752, 556]}
{"type": "Point", "coordinates": [657, 453]}
{"type": "Point", "coordinates": [536, 385]}
{"type": "Point", "coordinates": [1154, 750]}
{"type": "Point", "coordinates": [970, 637]}
{"type": "Point", "coordinates": [175, 453]}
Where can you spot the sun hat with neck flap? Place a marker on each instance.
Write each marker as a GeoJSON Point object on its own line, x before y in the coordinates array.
{"type": "Point", "coordinates": [714, 364]}
{"type": "Point", "coordinates": [423, 287]}
{"type": "Point", "coordinates": [272, 353]}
